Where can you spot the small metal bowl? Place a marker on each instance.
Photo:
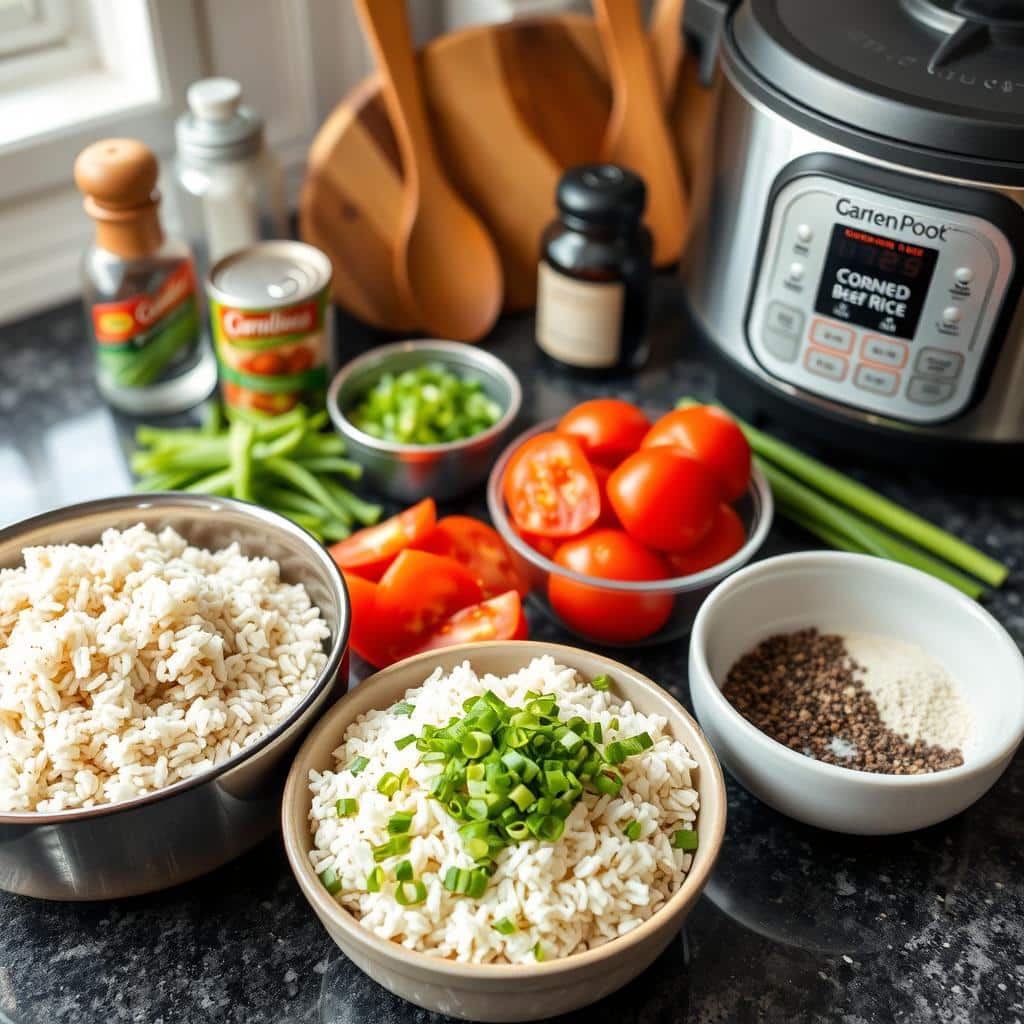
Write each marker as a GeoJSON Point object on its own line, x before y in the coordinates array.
{"type": "Point", "coordinates": [684, 594]}
{"type": "Point", "coordinates": [193, 826]}
{"type": "Point", "coordinates": [408, 472]}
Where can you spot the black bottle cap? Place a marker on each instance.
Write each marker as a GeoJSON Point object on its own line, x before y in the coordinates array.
{"type": "Point", "coordinates": [602, 194]}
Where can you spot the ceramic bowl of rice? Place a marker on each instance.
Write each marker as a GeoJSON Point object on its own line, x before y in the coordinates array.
{"type": "Point", "coordinates": [161, 656]}
{"type": "Point", "coordinates": [562, 916]}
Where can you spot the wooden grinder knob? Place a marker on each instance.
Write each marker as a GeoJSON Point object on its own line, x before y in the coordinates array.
{"type": "Point", "coordinates": [118, 178]}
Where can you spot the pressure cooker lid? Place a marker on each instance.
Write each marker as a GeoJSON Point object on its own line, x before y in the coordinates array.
{"type": "Point", "coordinates": [944, 74]}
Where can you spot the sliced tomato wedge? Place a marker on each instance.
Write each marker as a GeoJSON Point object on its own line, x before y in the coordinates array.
{"type": "Point", "coordinates": [370, 551]}
{"type": "Point", "coordinates": [366, 636]}
{"type": "Point", "coordinates": [550, 487]}
{"type": "Point", "coordinates": [497, 618]}
{"type": "Point", "coordinates": [480, 549]}
{"type": "Point", "coordinates": [418, 592]}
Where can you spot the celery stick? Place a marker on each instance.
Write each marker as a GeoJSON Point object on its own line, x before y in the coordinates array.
{"type": "Point", "coordinates": [363, 512]}
{"type": "Point", "coordinates": [283, 445]}
{"type": "Point", "coordinates": [301, 478]}
{"type": "Point", "coordinates": [214, 483]}
{"type": "Point", "coordinates": [164, 481]}
{"type": "Point", "coordinates": [241, 439]}
{"type": "Point", "coordinates": [213, 419]}
{"type": "Point", "coordinates": [320, 444]}
{"type": "Point", "coordinates": [334, 529]}
{"type": "Point", "coordinates": [332, 464]}
{"type": "Point", "coordinates": [874, 505]}
{"type": "Point", "coordinates": [311, 524]}
{"type": "Point", "coordinates": [282, 497]}
{"type": "Point", "coordinates": [266, 426]}
{"type": "Point", "coordinates": [833, 538]}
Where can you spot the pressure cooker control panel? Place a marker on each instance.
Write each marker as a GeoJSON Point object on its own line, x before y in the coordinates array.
{"type": "Point", "coordinates": [877, 302]}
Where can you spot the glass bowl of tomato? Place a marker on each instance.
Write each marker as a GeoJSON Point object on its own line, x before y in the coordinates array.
{"type": "Point", "coordinates": [599, 581]}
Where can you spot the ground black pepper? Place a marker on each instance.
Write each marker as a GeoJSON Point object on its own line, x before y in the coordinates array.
{"type": "Point", "coordinates": [802, 689]}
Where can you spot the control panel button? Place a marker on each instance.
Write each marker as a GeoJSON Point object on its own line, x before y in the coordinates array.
{"type": "Point", "coordinates": [796, 271]}
{"type": "Point", "coordinates": [804, 232]}
{"type": "Point", "coordinates": [952, 315]}
{"type": "Point", "coordinates": [783, 319]}
{"type": "Point", "coordinates": [825, 364]}
{"type": "Point", "coordinates": [964, 275]}
{"type": "Point", "coordinates": [926, 391]}
{"type": "Point", "coordinates": [833, 335]}
{"type": "Point", "coordinates": [939, 362]}
{"type": "Point", "coordinates": [879, 382]}
{"type": "Point", "coordinates": [885, 351]}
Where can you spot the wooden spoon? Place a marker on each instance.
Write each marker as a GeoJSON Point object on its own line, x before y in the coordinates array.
{"type": "Point", "coordinates": [445, 263]}
{"type": "Point", "coordinates": [665, 30]}
{"type": "Point", "coordinates": [637, 135]}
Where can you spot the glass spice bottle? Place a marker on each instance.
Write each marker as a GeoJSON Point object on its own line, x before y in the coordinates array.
{"type": "Point", "coordinates": [595, 272]}
{"type": "Point", "coordinates": [139, 288]}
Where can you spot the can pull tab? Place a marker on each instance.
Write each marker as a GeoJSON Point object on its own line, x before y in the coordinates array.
{"type": "Point", "coordinates": [284, 288]}
{"type": "Point", "coordinates": [703, 25]}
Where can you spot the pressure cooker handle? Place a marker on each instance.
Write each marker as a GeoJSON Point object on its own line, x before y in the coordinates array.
{"type": "Point", "coordinates": [703, 24]}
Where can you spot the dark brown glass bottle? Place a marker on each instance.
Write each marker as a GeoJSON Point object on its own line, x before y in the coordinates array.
{"type": "Point", "coordinates": [594, 276]}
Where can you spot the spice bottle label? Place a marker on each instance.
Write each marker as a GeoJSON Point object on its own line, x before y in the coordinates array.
{"type": "Point", "coordinates": [579, 322]}
{"type": "Point", "coordinates": [139, 337]}
{"type": "Point", "coordinates": [271, 359]}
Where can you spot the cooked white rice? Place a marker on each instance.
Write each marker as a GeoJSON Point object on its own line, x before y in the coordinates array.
{"type": "Point", "coordinates": [591, 886]}
{"type": "Point", "coordinates": [141, 660]}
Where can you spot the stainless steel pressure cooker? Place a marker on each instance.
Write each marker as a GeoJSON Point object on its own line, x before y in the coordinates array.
{"type": "Point", "coordinates": [859, 255]}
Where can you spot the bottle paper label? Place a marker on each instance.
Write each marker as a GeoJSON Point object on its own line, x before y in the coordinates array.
{"type": "Point", "coordinates": [139, 337]}
{"type": "Point", "coordinates": [271, 359]}
{"type": "Point", "coordinates": [579, 322]}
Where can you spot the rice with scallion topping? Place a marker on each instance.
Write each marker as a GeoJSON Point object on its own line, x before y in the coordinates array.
{"type": "Point", "coordinates": [542, 900]}
{"type": "Point", "coordinates": [139, 661]}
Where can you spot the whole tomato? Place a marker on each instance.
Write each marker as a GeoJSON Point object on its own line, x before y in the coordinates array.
{"type": "Point", "coordinates": [664, 498]}
{"type": "Point", "coordinates": [609, 429]}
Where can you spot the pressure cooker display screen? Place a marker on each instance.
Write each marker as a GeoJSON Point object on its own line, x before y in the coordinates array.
{"type": "Point", "coordinates": [875, 282]}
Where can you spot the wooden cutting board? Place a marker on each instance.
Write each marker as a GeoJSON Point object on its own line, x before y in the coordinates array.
{"type": "Point", "coordinates": [512, 105]}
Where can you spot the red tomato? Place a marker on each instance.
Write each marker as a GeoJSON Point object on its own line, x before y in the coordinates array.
{"type": "Point", "coordinates": [370, 551]}
{"type": "Point", "coordinates": [550, 488]}
{"type": "Point", "coordinates": [498, 618]}
{"type": "Point", "coordinates": [608, 428]}
{"type": "Point", "coordinates": [607, 516]}
{"type": "Point", "coordinates": [713, 437]}
{"type": "Point", "coordinates": [727, 536]}
{"type": "Point", "coordinates": [366, 636]}
{"type": "Point", "coordinates": [418, 592]}
{"type": "Point", "coordinates": [609, 616]}
{"type": "Point", "coordinates": [479, 548]}
{"type": "Point", "coordinates": [665, 498]}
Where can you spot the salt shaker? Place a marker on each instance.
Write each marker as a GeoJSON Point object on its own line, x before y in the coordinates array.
{"type": "Point", "coordinates": [231, 189]}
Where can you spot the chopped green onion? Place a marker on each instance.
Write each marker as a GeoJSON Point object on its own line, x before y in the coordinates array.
{"type": "Point", "coordinates": [538, 953]}
{"type": "Point", "coordinates": [632, 830]}
{"type": "Point", "coordinates": [403, 709]}
{"type": "Point", "coordinates": [396, 846]}
{"type": "Point", "coordinates": [684, 839]}
{"type": "Point", "coordinates": [399, 823]}
{"type": "Point", "coordinates": [602, 682]}
{"type": "Point", "coordinates": [330, 881]}
{"type": "Point", "coordinates": [374, 880]}
{"type": "Point", "coordinates": [346, 807]}
{"type": "Point", "coordinates": [504, 926]}
{"type": "Point", "coordinates": [477, 744]}
{"type": "Point", "coordinates": [521, 797]}
{"type": "Point", "coordinates": [403, 873]}
{"type": "Point", "coordinates": [359, 765]}
{"type": "Point", "coordinates": [477, 848]}
{"type": "Point", "coordinates": [411, 892]}
{"type": "Point", "coordinates": [401, 744]}
{"type": "Point", "coordinates": [608, 781]}
{"type": "Point", "coordinates": [389, 784]}
{"type": "Point", "coordinates": [477, 883]}
{"type": "Point", "coordinates": [618, 750]}
{"type": "Point", "coordinates": [613, 725]}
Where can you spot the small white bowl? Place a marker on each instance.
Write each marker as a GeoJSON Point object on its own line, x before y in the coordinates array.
{"type": "Point", "coordinates": [839, 592]}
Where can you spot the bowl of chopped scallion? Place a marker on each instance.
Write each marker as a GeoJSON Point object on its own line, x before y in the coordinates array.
{"type": "Point", "coordinates": [425, 417]}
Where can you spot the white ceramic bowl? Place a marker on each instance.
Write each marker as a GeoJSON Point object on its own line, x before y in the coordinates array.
{"type": "Point", "coordinates": [844, 592]}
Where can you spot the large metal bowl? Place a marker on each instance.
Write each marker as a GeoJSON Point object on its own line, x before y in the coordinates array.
{"type": "Point", "coordinates": [198, 824]}
{"type": "Point", "coordinates": [408, 472]}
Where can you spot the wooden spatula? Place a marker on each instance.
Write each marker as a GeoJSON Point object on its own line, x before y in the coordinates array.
{"type": "Point", "coordinates": [666, 34]}
{"type": "Point", "coordinates": [637, 135]}
{"type": "Point", "coordinates": [445, 264]}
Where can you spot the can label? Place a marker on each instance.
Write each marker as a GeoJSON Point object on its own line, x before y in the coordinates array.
{"type": "Point", "coordinates": [271, 359]}
{"type": "Point", "coordinates": [139, 337]}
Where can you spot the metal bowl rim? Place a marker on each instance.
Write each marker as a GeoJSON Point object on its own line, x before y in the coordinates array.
{"type": "Point", "coordinates": [758, 489]}
{"type": "Point", "coordinates": [339, 644]}
{"type": "Point", "coordinates": [486, 361]}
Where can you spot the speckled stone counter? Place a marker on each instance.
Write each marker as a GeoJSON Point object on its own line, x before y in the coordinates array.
{"type": "Point", "coordinates": [796, 925]}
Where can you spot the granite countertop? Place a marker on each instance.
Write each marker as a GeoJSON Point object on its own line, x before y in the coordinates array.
{"type": "Point", "coordinates": [796, 925]}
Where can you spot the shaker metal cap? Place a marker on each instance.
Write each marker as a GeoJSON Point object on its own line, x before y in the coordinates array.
{"type": "Point", "coordinates": [602, 194]}
{"type": "Point", "coordinates": [217, 127]}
